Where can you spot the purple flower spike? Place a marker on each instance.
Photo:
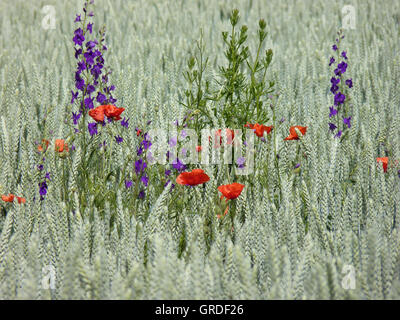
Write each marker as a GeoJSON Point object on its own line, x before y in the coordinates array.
{"type": "Point", "coordinates": [332, 126]}
{"type": "Point", "coordinates": [347, 121]}
{"type": "Point", "coordinates": [172, 142]}
{"type": "Point", "coordinates": [74, 96]}
{"type": "Point", "coordinates": [334, 47]}
{"type": "Point", "coordinates": [79, 37]}
{"type": "Point", "coordinates": [240, 162]}
{"type": "Point", "coordinates": [333, 112]}
{"type": "Point", "coordinates": [128, 184]}
{"type": "Point", "coordinates": [75, 117]}
{"type": "Point", "coordinates": [125, 123]}
{"type": "Point", "coordinates": [349, 83]}
{"type": "Point", "coordinates": [92, 127]}
{"type": "Point", "coordinates": [178, 165]}
{"type": "Point", "coordinates": [140, 165]}
{"type": "Point", "coordinates": [145, 180]}
{"type": "Point", "coordinates": [339, 98]}
{"type": "Point", "coordinates": [141, 194]}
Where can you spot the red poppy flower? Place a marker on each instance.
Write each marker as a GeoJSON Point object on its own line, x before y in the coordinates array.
{"type": "Point", "coordinates": [193, 178]}
{"type": "Point", "coordinates": [138, 131]}
{"type": "Point", "coordinates": [21, 200]}
{"type": "Point", "coordinates": [259, 128]}
{"type": "Point", "coordinates": [113, 112]}
{"type": "Point", "coordinates": [60, 146]}
{"type": "Point", "coordinates": [293, 135]}
{"type": "Point", "coordinates": [45, 142]}
{"type": "Point", "coordinates": [9, 198]}
{"type": "Point", "coordinates": [97, 113]}
{"type": "Point", "coordinates": [231, 191]}
{"type": "Point", "coordinates": [198, 148]}
{"type": "Point", "coordinates": [384, 161]}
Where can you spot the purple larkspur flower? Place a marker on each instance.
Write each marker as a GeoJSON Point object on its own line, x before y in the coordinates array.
{"type": "Point", "coordinates": [344, 54]}
{"type": "Point", "coordinates": [339, 98]}
{"type": "Point", "coordinates": [333, 112]}
{"type": "Point", "coordinates": [141, 194]}
{"type": "Point", "coordinates": [167, 173]}
{"type": "Point", "coordinates": [100, 97]}
{"type": "Point", "coordinates": [89, 57]}
{"type": "Point", "coordinates": [96, 71]}
{"type": "Point", "coordinates": [74, 96]}
{"type": "Point", "coordinates": [140, 165]}
{"type": "Point", "coordinates": [92, 127]}
{"type": "Point", "coordinates": [40, 167]}
{"type": "Point", "coordinates": [125, 123]}
{"type": "Point", "coordinates": [334, 47]}
{"type": "Point", "coordinates": [341, 68]}
{"type": "Point", "coordinates": [349, 83]}
{"type": "Point", "coordinates": [297, 165]}
{"type": "Point", "coordinates": [146, 144]}
{"type": "Point", "coordinates": [80, 84]}
{"type": "Point", "coordinates": [73, 147]}
{"type": "Point", "coordinates": [89, 103]}
{"type": "Point", "coordinates": [43, 188]}
{"type": "Point", "coordinates": [166, 184]}
{"type": "Point", "coordinates": [335, 81]}
{"type": "Point", "coordinates": [338, 135]}
{"type": "Point", "coordinates": [89, 27]}
{"type": "Point", "coordinates": [75, 117]}
{"type": "Point", "coordinates": [346, 121]}
{"type": "Point", "coordinates": [47, 176]}
{"type": "Point", "coordinates": [78, 18]}
{"type": "Point", "coordinates": [332, 126]}
{"type": "Point", "coordinates": [118, 139]}
{"type": "Point", "coordinates": [334, 88]}
{"type": "Point", "coordinates": [172, 142]}
{"type": "Point", "coordinates": [178, 165]}
{"type": "Point", "coordinates": [331, 61]}
{"type": "Point", "coordinates": [90, 89]}
{"type": "Point", "coordinates": [240, 162]}
{"type": "Point", "coordinates": [145, 180]}
{"type": "Point", "coordinates": [78, 52]}
{"type": "Point", "coordinates": [128, 184]}
{"type": "Point", "coordinates": [81, 66]}
{"type": "Point", "coordinates": [91, 14]}
{"type": "Point", "coordinates": [79, 37]}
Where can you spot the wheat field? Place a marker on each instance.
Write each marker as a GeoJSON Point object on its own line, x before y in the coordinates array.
{"type": "Point", "coordinates": [295, 234]}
